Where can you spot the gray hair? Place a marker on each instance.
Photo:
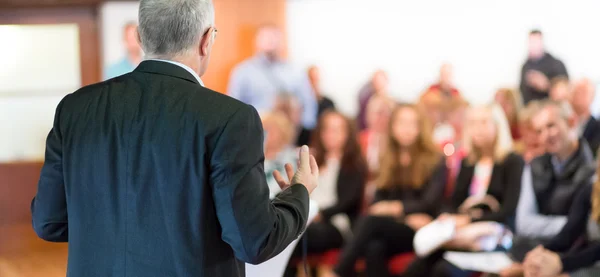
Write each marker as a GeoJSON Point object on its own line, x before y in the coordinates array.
{"type": "Point", "coordinates": [169, 28]}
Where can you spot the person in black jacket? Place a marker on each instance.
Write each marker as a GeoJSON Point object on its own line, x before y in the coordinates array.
{"type": "Point", "coordinates": [539, 70]}
{"type": "Point", "coordinates": [343, 174]}
{"type": "Point", "coordinates": [583, 222]}
{"type": "Point", "coordinates": [545, 260]}
{"type": "Point", "coordinates": [411, 184]}
{"type": "Point", "coordinates": [152, 174]}
{"type": "Point", "coordinates": [487, 187]}
{"type": "Point", "coordinates": [550, 182]}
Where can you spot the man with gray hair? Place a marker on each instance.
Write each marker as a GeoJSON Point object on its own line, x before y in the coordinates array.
{"type": "Point", "coordinates": [550, 182]}
{"type": "Point", "coordinates": [152, 174]}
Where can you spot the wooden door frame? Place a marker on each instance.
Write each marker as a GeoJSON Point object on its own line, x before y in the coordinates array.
{"type": "Point", "coordinates": [86, 17]}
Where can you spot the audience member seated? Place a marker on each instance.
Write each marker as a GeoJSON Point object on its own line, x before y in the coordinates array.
{"type": "Point", "coordinates": [378, 85]}
{"type": "Point", "coordinates": [372, 138]}
{"type": "Point", "coordinates": [487, 188]}
{"type": "Point", "coordinates": [530, 146]}
{"type": "Point", "coordinates": [279, 150]}
{"type": "Point", "coordinates": [411, 183]}
{"type": "Point", "coordinates": [560, 89]}
{"type": "Point", "coordinates": [510, 102]}
{"type": "Point", "coordinates": [584, 92]}
{"type": "Point", "coordinates": [445, 86]}
{"type": "Point", "coordinates": [551, 181]}
{"type": "Point", "coordinates": [342, 175]}
{"type": "Point", "coordinates": [583, 221]}
{"type": "Point", "coordinates": [315, 81]}
{"type": "Point", "coordinates": [290, 106]}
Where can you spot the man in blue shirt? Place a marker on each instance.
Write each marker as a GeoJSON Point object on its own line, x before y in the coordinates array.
{"type": "Point", "coordinates": [261, 79]}
{"type": "Point", "coordinates": [133, 54]}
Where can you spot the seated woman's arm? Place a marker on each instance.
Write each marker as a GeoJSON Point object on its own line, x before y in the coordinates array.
{"type": "Point", "coordinates": [514, 170]}
{"type": "Point", "coordinates": [432, 195]}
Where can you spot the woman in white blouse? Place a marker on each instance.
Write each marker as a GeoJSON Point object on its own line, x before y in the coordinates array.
{"type": "Point", "coordinates": [342, 175]}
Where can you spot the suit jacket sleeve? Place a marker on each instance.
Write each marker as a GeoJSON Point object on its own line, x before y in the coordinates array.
{"type": "Point", "coordinates": [512, 187]}
{"type": "Point", "coordinates": [351, 191]}
{"type": "Point", "coordinates": [49, 206]}
{"type": "Point", "coordinates": [255, 227]}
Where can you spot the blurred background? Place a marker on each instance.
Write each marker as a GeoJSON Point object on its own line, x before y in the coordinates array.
{"type": "Point", "coordinates": [52, 47]}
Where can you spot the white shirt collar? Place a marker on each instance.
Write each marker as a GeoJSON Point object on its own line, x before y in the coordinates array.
{"type": "Point", "coordinates": [183, 66]}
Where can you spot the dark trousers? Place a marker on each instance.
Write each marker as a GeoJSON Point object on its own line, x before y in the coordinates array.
{"type": "Point", "coordinates": [319, 238]}
{"type": "Point", "coordinates": [377, 239]}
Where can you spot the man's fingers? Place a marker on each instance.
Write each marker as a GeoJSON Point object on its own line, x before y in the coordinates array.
{"type": "Point", "coordinates": [314, 168]}
{"type": "Point", "coordinates": [282, 183]}
{"type": "Point", "coordinates": [304, 159]}
{"type": "Point", "coordinates": [289, 169]}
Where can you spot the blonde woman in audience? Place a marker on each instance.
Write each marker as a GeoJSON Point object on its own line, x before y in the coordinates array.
{"type": "Point", "coordinates": [371, 139]}
{"type": "Point", "coordinates": [411, 183]}
{"type": "Point", "coordinates": [279, 134]}
{"type": "Point", "coordinates": [486, 190]}
{"type": "Point", "coordinates": [530, 146]}
{"type": "Point", "coordinates": [510, 102]}
{"type": "Point", "coordinates": [342, 176]}
{"type": "Point", "coordinates": [583, 221]}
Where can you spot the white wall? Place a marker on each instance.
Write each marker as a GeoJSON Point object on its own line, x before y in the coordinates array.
{"type": "Point", "coordinates": [40, 64]}
{"type": "Point", "coordinates": [113, 17]}
{"type": "Point", "coordinates": [485, 40]}
{"type": "Point", "coordinates": [39, 60]}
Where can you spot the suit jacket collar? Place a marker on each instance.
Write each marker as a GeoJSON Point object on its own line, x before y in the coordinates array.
{"type": "Point", "coordinates": [167, 69]}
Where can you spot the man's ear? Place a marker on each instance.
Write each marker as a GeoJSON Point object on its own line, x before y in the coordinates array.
{"type": "Point", "coordinates": [137, 35]}
{"type": "Point", "coordinates": [205, 41]}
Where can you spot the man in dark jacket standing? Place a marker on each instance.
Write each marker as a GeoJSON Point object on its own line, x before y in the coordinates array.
{"type": "Point", "coordinates": [539, 70]}
{"type": "Point", "coordinates": [151, 174]}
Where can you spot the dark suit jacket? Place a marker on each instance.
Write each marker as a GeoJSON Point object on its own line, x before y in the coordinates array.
{"type": "Point", "coordinates": [591, 134]}
{"type": "Point", "coordinates": [504, 186]}
{"type": "Point", "coordinates": [151, 174]}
